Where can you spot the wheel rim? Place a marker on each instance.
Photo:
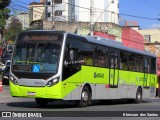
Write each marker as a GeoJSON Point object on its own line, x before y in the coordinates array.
{"type": "Point", "coordinates": [139, 96]}
{"type": "Point", "coordinates": [85, 96]}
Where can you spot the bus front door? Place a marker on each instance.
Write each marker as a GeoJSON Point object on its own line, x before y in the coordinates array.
{"type": "Point", "coordinates": [113, 70]}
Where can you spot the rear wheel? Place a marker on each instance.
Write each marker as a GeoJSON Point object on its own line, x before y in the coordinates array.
{"type": "Point", "coordinates": [85, 97]}
{"type": "Point", "coordinates": [138, 96]}
{"type": "Point", "coordinates": [41, 102]}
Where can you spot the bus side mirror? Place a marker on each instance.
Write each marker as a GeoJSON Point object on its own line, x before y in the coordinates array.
{"type": "Point", "coordinates": [71, 55]}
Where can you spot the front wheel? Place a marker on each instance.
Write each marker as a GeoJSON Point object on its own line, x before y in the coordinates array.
{"type": "Point", "coordinates": [41, 102]}
{"type": "Point", "coordinates": [85, 97]}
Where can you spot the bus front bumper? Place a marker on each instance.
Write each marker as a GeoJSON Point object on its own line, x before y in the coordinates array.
{"type": "Point", "coordinates": [53, 92]}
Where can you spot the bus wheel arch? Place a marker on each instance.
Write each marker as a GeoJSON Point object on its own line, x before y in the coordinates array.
{"type": "Point", "coordinates": [86, 96]}
{"type": "Point", "coordinates": [139, 94]}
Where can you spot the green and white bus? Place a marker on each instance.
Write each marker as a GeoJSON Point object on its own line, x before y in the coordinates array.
{"type": "Point", "coordinates": [56, 65]}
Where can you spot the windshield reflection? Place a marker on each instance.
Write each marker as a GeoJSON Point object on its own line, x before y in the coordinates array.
{"type": "Point", "coordinates": [36, 57]}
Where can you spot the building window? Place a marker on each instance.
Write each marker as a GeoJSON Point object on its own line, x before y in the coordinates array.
{"type": "Point", "coordinates": [48, 3]}
{"type": "Point", "coordinates": [58, 13]}
{"type": "Point", "coordinates": [58, 1]}
{"type": "Point", "coordinates": [49, 14]}
{"type": "Point", "coordinates": [147, 38]}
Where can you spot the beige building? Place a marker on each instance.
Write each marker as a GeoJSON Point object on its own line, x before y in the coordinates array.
{"type": "Point", "coordinates": [150, 35]}
{"type": "Point", "coordinates": [152, 40]}
{"type": "Point", "coordinates": [36, 11]}
{"type": "Point", "coordinates": [23, 17]}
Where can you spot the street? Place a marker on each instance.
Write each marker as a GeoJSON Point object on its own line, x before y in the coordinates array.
{"type": "Point", "coordinates": [60, 108]}
{"type": "Point", "coordinates": [64, 110]}
{"type": "Point", "coordinates": [8, 103]}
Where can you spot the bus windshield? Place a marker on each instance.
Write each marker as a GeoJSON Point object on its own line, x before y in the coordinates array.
{"type": "Point", "coordinates": [37, 56]}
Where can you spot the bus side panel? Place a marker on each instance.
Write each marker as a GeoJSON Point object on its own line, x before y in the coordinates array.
{"type": "Point", "coordinates": [88, 73]}
{"type": "Point", "coordinates": [123, 80]}
{"type": "Point", "coordinates": [71, 87]}
{"type": "Point", "coordinates": [136, 80]}
{"type": "Point", "coordinates": [102, 81]}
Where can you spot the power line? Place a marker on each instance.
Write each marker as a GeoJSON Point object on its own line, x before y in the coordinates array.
{"type": "Point", "coordinates": [141, 17]}
{"type": "Point", "coordinates": [105, 11]}
{"type": "Point", "coordinates": [77, 6]}
{"type": "Point", "coordinates": [147, 18]}
{"type": "Point", "coordinates": [151, 4]}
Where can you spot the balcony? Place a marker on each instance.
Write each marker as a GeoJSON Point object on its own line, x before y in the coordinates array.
{"type": "Point", "coordinates": [61, 7]}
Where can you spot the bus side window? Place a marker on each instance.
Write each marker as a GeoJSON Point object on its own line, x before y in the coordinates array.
{"type": "Point", "coordinates": [100, 56]}
{"type": "Point", "coordinates": [107, 65]}
{"type": "Point", "coordinates": [88, 60]}
{"type": "Point", "coordinates": [153, 65]}
{"type": "Point", "coordinates": [139, 63]}
{"type": "Point", "coordinates": [123, 60]}
{"type": "Point", "coordinates": [132, 62]}
{"type": "Point", "coordinates": [87, 53]}
{"type": "Point", "coordinates": [147, 67]}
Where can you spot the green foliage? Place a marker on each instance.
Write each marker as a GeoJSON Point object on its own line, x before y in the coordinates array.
{"type": "Point", "coordinates": [4, 3]}
{"type": "Point", "coordinates": [15, 27]}
{"type": "Point", "coordinates": [4, 14]}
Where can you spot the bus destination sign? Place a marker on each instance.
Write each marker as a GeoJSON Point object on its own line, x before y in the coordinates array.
{"type": "Point", "coordinates": [53, 37]}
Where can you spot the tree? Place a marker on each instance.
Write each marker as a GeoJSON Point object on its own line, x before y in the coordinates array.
{"type": "Point", "coordinates": [4, 14]}
{"type": "Point", "coordinates": [4, 3]}
{"type": "Point", "coordinates": [15, 27]}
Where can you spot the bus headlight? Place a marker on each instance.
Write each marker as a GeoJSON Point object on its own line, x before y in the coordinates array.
{"type": "Point", "coordinates": [13, 80]}
{"type": "Point", "coordinates": [53, 82]}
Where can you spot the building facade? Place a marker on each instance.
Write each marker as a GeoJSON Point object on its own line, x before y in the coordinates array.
{"type": "Point", "coordinates": [23, 17]}
{"type": "Point", "coordinates": [150, 35]}
{"type": "Point", "coordinates": [151, 40]}
{"type": "Point", "coordinates": [36, 11]}
{"type": "Point", "coordinates": [57, 10]}
{"type": "Point", "coordinates": [103, 10]}
{"type": "Point", "coordinates": [80, 10]}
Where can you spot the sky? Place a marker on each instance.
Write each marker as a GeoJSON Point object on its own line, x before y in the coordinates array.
{"type": "Point", "coordinates": [147, 10]}
{"type": "Point", "coordinates": [141, 8]}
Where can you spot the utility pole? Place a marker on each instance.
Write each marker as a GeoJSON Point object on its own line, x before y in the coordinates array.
{"type": "Point", "coordinates": [52, 14]}
{"type": "Point", "coordinates": [91, 17]}
{"type": "Point", "coordinates": [93, 26]}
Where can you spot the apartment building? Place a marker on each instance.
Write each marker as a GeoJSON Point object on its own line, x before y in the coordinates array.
{"type": "Point", "coordinates": [36, 11]}
{"type": "Point", "coordinates": [57, 10]}
{"type": "Point", "coordinates": [23, 17]}
{"type": "Point", "coordinates": [80, 10]}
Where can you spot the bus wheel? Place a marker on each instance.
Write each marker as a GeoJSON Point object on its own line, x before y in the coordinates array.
{"type": "Point", "coordinates": [138, 96]}
{"type": "Point", "coordinates": [41, 102]}
{"type": "Point", "coordinates": [85, 97]}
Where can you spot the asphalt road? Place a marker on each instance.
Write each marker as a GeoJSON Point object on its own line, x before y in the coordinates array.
{"type": "Point", "coordinates": [8, 103]}
{"type": "Point", "coordinates": [66, 109]}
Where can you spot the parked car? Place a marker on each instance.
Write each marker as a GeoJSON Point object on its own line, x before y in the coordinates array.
{"type": "Point", "coordinates": [6, 57]}
{"type": "Point", "coordinates": [5, 71]}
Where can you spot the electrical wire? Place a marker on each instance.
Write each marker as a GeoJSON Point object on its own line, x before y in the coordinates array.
{"type": "Point", "coordinates": [105, 11]}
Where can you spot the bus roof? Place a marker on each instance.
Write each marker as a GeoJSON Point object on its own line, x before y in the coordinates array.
{"type": "Point", "coordinates": [114, 44]}
{"type": "Point", "coordinates": [97, 40]}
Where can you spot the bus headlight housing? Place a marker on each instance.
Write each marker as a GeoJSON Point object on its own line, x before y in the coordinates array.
{"type": "Point", "coordinates": [53, 82]}
{"type": "Point", "coordinates": [13, 80]}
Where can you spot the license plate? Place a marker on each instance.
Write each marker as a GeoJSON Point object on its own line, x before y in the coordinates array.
{"type": "Point", "coordinates": [31, 93]}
